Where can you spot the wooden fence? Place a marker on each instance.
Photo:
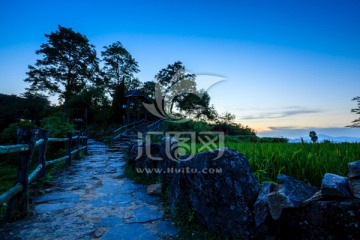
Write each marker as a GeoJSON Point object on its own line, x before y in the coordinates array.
{"type": "Point", "coordinates": [123, 130]}
{"type": "Point", "coordinates": [17, 197]}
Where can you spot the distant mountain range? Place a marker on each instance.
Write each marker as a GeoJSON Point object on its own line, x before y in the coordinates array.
{"type": "Point", "coordinates": [323, 137]}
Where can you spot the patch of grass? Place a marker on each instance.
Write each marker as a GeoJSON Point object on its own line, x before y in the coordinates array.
{"type": "Point", "coordinates": [140, 178]}
{"type": "Point", "coordinates": [185, 219]}
{"type": "Point", "coordinates": [38, 187]}
{"type": "Point", "coordinates": [8, 171]}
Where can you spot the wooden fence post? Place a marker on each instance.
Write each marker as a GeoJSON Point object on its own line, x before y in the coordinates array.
{"type": "Point", "coordinates": [77, 142]}
{"type": "Point", "coordinates": [19, 204]}
{"type": "Point", "coordinates": [44, 134]}
{"type": "Point", "coordinates": [86, 143]}
{"type": "Point", "coordinates": [112, 137]}
{"type": "Point", "coordinates": [68, 150]}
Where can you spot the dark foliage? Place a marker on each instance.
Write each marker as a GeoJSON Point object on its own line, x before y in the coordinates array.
{"type": "Point", "coordinates": [31, 107]}
{"type": "Point", "coordinates": [356, 122]}
{"type": "Point", "coordinates": [67, 66]}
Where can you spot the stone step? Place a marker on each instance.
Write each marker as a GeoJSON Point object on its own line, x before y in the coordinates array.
{"type": "Point", "coordinates": [113, 150]}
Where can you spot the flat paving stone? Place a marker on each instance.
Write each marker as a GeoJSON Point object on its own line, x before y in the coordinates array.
{"type": "Point", "coordinates": [62, 197]}
{"type": "Point", "coordinates": [129, 231]}
{"type": "Point", "coordinates": [113, 200]}
{"type": "Point", "coordinates": [143, 197]}
{"type": "Point", "coordinates": [52, 207]}
{"type": "Point", "coordinates": [117, 165]}
{"type": "Point", "coordinates": [110, 221]}
{"type": "Point", "coordinates": [145, 214]}
{"type": "Point", "coordinates": [130, 187]}
{"type": "Point", "coordinates": [109, 187]}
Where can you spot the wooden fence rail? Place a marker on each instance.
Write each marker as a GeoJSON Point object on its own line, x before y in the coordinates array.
{"type": "Point", "coordinates": [17, 197]}
{"type": "Point", "coordinates": [124, 130]}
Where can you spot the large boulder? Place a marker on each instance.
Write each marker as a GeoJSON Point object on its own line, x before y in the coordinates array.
{"type": "Point", "coordinates": [170, 159]}
{"type": "Point", "coordinates": [144, 155]}
{"type": "Point", "coordinates": [173, 178]}
{"type": "Point", "coordinates": [223, 192]}
{"type": "Point", "coordinates": [178, 190]}
{"type": "Point", "coordinates": [289, 193]}
{"type": "Point", "coordinates": [217, 185]}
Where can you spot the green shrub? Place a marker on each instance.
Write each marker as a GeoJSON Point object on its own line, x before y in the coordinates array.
{"type": "Point", "coordinates": [9, 135]}
{"type": "Point", "coordinates": [58, 125]}
{"type": "Point", "coordinates": [230, 128]}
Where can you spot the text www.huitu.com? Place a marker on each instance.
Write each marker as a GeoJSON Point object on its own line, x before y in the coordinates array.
{"type": "Point", "coordinates": [186, 170]}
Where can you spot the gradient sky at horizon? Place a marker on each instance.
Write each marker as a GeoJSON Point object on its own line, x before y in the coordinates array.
{"type": "Point", "coordinates": [288, 65]}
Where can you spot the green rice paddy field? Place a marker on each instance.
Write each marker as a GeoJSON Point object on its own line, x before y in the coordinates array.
{"type": "Point", "coordinates": [307, 162]}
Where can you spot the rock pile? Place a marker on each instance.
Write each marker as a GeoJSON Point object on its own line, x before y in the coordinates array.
{"type": "Point", "coordinates": [354, 178]}
{"type": "Point", "coordinates": [230, 202]}
{"type": "Point", "coordinates": [292, 208]}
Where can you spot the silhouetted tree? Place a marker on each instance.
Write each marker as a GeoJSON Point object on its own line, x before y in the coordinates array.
{"type": "Point", "coordinates": [119, 69]}
{"type": "Point", "coordinates": [180, 93]}
{"type": "Point", "coordinates": [148, 89]}
{"type": "Point", "coordinates": [32, 107]}
{"type": "Point", "coordinates": [119, 65]}
{"type": "Point", "coordinates": [118, 112]}
{"type": "Point", "coordinates": [356, 122]}
{"type": "Point", "coordinates": [313, 136]}
{"type": "Point", "coordinates": [67, 66]}
{"type": "Point", "coordinates": [227, 117]}
{"type": "Point", "coordinates": [90, 106]}
{"type": "Point", "coordinates": [197, 106]}
{"type": "Point", "coordinates": [175, 84]}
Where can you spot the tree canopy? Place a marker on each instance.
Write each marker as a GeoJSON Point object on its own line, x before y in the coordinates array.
{"type": "Point", "coordinates": [356, 122]}
{"type": "Point", "coordinates": [313, 136]}
{"type": "Point", "coordinates": [68, 64]}
{"type": "Point", "coordinates": [119, 69]}
{"type": "Point", "coordinates": [180, 93]}
{"type": "Point", "coordinates": [119, 65]}
{"type": "Point", "coordinates": [31, 107]}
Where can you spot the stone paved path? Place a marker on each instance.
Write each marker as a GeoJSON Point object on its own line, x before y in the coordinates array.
{"type": "Point", "coordinates": [93, 200]}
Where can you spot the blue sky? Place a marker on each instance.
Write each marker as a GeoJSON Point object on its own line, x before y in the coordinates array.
{"type": "Point", "coordinates": [288, 65]}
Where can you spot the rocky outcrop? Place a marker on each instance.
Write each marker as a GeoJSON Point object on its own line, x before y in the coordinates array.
{"type": "Point", "coordinates": [261, 207]}
{"type": "Point", "coordinates": [330, 213]}
{"type": "Point", "coordinates": [354, 178]}
{"type": "Point", "coordinates": [154, 189]}
{"type": "Point", "coordinates": [354, 184]}
{"type": "Point", "coordinates": [144, 155]}
{"type": "Point", "coordinates": [334, 185]}
{"type": "Point", "coordinates": [221, 192]}
{"type": "Point", "coordinates": [289, 193]}
{"type": "Point", "coordinates": [225, 196]}
{"type": "Point", "coordinates": [224, 201]}
{"type": "Point", "coordinates": [331, 219]}
{"type": "Point", "coordinates": [354, 169]}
